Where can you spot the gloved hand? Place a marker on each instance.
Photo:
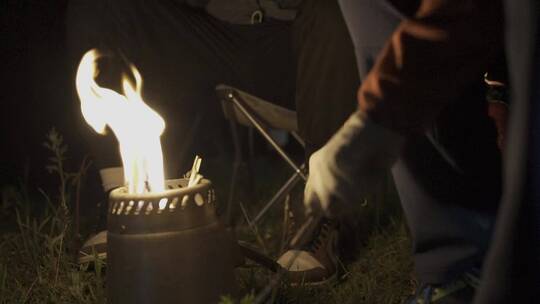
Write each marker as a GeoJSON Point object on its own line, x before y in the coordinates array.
{"type": "Point", "coordinates": [349, 165]}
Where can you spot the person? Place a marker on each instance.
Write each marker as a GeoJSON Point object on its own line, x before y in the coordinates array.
{"type": "Point", "coordinates": [297, 54]}
{"type": "Point", "coordinates": [422, 112]}
{"type": "Point", "coordinates": [303, 263]}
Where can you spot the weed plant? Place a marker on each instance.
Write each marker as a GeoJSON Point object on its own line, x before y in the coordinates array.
{"type": "Point", "coordinates": [37, 263]}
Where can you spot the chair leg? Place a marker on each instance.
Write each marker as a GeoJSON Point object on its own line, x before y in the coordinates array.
{"type": "Point", "coordinates": [298, 139]}
{"type": "Point", "coordinates": [250, 182]}
{"type": "Point", "coordinates": [299, 172]}
{"type": "Point", "coordinates": [231, 210]}
{"type": "Point", "coordinates": [280, 194]}
{"type": "Point", "coordinates": [231, 206]}
{"type": "Point", "coordinates": [251, 143]}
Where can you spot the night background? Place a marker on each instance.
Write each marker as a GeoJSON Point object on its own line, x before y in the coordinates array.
{"type": "Point", "coordinates": [40, 234]}
{"type": "Point", "coordinates": [37, 86]}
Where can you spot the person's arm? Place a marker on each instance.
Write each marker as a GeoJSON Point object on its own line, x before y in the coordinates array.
{"type": "Point", "coordinates": [288, 3]}
{"type": "Point", "coordinates": [197, 3]}
{"type": "Point", "coordinates": [430, 60]}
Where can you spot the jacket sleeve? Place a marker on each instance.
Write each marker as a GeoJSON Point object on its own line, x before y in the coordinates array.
{"type": "Point", "coordinates": [430, 60]}
{"type": "Point", "coordinates": [288, 4]}
{"type": "Point", "coordinates": [197, 3]}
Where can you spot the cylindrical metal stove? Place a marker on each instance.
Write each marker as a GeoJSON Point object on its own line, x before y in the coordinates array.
{"type": "Point", "coordinates": [168, 247]}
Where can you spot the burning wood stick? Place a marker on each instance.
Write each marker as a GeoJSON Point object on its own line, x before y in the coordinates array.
{"type": "Point", "coordinates": [197, 179]}
{"type": "Point", "coordinates": [194, 176]}
{"type": "Point", "coordinates": [195, 171]}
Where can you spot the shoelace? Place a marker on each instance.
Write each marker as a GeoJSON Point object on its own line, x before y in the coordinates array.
{"type": "Point", "coordinates": [322, 235]}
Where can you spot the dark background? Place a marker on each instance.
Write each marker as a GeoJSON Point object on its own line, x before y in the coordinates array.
{"type": "Point", "coordinates": [36, 88]}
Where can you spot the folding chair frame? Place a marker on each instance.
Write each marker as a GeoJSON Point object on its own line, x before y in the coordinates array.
{"type": "Point", "coordinates": [237, 101]}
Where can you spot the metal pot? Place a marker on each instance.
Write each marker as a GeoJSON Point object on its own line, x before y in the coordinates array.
{"type": "Point", "coordinates": [168, 247]}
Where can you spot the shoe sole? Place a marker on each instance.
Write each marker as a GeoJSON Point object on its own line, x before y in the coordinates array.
{"type": "Point", "coordinates": [333, 258]}
{"type": "Point", "coordinates": [331, 279]}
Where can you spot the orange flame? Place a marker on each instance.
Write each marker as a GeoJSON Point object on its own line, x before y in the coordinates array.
{"type": "Point", "coordinates": [137, 126]}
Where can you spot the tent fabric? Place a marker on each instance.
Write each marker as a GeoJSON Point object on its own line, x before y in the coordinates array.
{"type": "Point", "coordinates": [512, 269]}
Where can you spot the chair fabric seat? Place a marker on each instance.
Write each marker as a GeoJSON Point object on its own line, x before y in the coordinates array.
{"type": "Point", "coordinates": [272, 115]}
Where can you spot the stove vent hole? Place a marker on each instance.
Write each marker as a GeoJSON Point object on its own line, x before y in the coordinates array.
{"type": "Point", "coordinates": [129, 207]}
{"type": "Point", "coordinates": [173, 204]}
{"type": "Point", "coordinates": [114, 206]}
{"type": "Point", "coordinates": [199, 200]}
{"type": "Point", "coordinates": [120, 208]}
{"type": "Point", "coordinates": [140, 205]}
{"type": "Point", "coordinates": [149, 208]}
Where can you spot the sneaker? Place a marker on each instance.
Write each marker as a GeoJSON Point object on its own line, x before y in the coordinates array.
{"type": "Point", "coordinates": [316, 263]}
{"type": "Point", "coordinates": [94, 247]}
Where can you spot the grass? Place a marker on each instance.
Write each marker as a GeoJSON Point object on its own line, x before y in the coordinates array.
{"type": "Point", "coordinates": [382, 274]}
{"type": "Point", "coordinates": [37, 257]}
{"type": "Point", "coordinates": [377, 270]}
{"type": "Point", "coordinates": [39, 240]}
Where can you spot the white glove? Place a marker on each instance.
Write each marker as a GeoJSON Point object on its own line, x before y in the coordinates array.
{"type": "Point", "coordinates": [349, 165]}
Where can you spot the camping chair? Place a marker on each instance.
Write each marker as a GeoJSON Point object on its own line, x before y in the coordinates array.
{"type": "Point", "coordinates": [242, 108]}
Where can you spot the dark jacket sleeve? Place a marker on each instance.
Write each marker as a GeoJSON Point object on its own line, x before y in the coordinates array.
{"type": "Point", "coordinates": [197, 3]}
{"type": "Point", "coordinates": [288, 3]}
{"type": "Point", "coordinates": [431, 60]}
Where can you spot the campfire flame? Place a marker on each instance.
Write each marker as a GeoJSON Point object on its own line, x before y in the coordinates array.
{"type": "Point", "coordinates": [137, 126]}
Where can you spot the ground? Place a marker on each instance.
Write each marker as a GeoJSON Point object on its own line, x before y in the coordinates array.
{"type": "Point", "coordinates": [38, 242]}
